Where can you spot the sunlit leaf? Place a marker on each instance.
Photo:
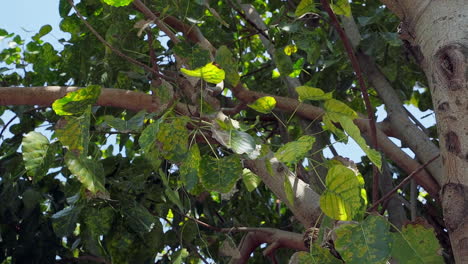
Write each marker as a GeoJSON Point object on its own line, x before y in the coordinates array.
{"type": "Point", "coordinates": [354, 132]}
{"type": "Point", "coordinates": [38, 155]}
{"type": "Point", "coordinates": [226, 60]}
{"type": "Point", "coordinates": [328, 124]}
{"type": "Point", "coordinates": [304, 7]}
{"type": "Point", "coordinates": [341, 199]}
{"type": "Point", "coordinates": [341, 7]}
{"type": "Point", "coordinates": [310, 93]}
{"type": "Point", "coordinates": [290, 49]}
{"type": "Point", "coordinates": [77, 102]}
{"type": "Point", "coordinates": [335, 109]}
{"type": "Point", "coordinates": [264, 104]}
{"type": "Point", "coordinates": [367, 242]}
{"type": "Point", "coordinates": [89, 172]}
{"type": "Point", "coordinates": [250, 179]}
{"type": "Point", "coordinates": [240, 142]}
{"type": "Point", "coordinates": [179, 256]}
{"type": "Point", "coordinates": [294, 151]}
{"type": "Point", "coordinates": [118, 3]}
{"type": "Point", "coordinates": [209, 73]}
{"type": "Point", "coordinates": [416, 244]}
{"type": "Point", "coordinates": [220, 174]}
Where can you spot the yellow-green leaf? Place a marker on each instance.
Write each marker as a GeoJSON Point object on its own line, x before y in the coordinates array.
{"type": "Point", "coordinates": [354, 132]}
{"type": "Point", "coordinates": [341, 199]}
{"type": "Point", "coordinates": [328, 124]}
{"type": "Point", "coordinates": [294, 151]}
{"type": "Point", "coordinates": [118, 3]}
{"type": "Point", "coordinates": [250, 179]}
{"type": "Point", "coordinates": [341, 7]}
{"type": "Point", "coordinates": [209, 73]}
{"type": "Point", "coordinates": [190, 168]}
{"type": "Point", "coordinates": [290, 49]}
{"type": "Point", "coordinates": [264, 104]}
{"type": "Point", "coordinates": [311, 93]}
{"type": "Point", "coordinates": [73, 132]}
{"type": "Point", "coordinates": [304, 7]}
{"type": "Point", "coordinates": [77, 102]}
{"type": "Point", "coordinates": [335, 109]}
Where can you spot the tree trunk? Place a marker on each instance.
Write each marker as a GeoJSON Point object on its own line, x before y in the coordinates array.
{"type": "Point", "coordinates": [438, 34]}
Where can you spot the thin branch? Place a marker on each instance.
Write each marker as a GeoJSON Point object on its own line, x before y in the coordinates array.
{"type": "Point", "coordinates": [362, 84]}
{"type": "Point", "coordinates": [7, 124]}
{"type": "Point", "coordinates": [402, 183]}
{"type": "Point", "coordinates": [116, 51]}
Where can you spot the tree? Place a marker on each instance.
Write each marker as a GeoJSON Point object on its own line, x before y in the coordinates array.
{"type": "Point", "coordinates": [194, 131]}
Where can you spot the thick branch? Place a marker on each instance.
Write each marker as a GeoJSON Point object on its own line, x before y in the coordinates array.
{"type": "Point", "coordinates": [401, 125]}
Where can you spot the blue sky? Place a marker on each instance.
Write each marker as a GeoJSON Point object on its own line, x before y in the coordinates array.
{"type": "Point", "coordinates": [26, 17]}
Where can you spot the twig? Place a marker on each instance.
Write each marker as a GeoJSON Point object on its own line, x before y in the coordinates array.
{"type": "Point", "coordinates": [6, 125]}
{"type": "Point", "coordinates": [362, 84]}
{"type": "Point", "coordinates": [116, 51]}
{"type": "Point", "coordinates": [402, 183]}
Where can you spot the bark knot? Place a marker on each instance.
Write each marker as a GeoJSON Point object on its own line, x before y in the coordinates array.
{"type": "Point", "coordinates": [455, 204]}
{"type": "Point", "coordinates": [451, 61]}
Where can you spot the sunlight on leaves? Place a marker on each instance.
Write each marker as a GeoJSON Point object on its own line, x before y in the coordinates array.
{"type": "Point", "coordinates": [342, 198]}
{"type": "Point", "coordinates": [76, 103]}
{"type": "Point", "coordinates": [310, 93]}
{"type": "Point", "coordinates": [294, 151]}
{"type": "Point", "coordinates": [89, 172]}
{"type": "Point", "coordinates": [304, 7]}
{"type": "Point", "coordinates": [341, 7]}
{"type": "Point", "coordinates": [264, 104]}
{"type": "Point", "coordinates": [290, 49]}
{"type": "Point", "coordinates": [250, 179]}
{"type": "Point", "coordinates": [118, 3]}
{"type": "Point", "coordinates": [38, 155]}
{"type": "Point", "coordinates": [209, 73]}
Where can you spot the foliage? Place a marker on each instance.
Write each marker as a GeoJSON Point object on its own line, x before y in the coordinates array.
{"type": "Point", "coordinates": [132, 187]}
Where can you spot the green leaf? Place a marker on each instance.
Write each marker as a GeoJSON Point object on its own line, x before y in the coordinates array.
{"type": "Point", "coordinates": [367, 242]}
{"type": "Point", "coordinates": [89, 172]}
{"type": "Point", "coordinates": [341, 7]}
{"type": "Point", "coordinates": [38, 154]}
{"type": "Point", "coordinates": [73, 132]}
{"type": "Point", "coordinates": [341, 199]}
{"type": "Point", "coordinates": [174, 139]}
{"type": "Point", "coordinates": [148, 136]}
{"type": "Point", "coordinates": [310, 93]}
{"type": "Point", "coordinates": [328, 125]}
{"type": "Point", "coordinates": [240, 142]}
{"type": "Point", "coordinates": [99, 221]}
{"type": "Point", "coordinates": [220, 174]}
{"type": "Point", "coordinates": [64, 221]}
{"type": "Point", "coordinates": [290, 49]}
{"type": "Point", "coordinates": [226, 60]}
{"type": "Point", "coordinates": [294, 151]}
{"type": "Point", "coordinates": [138, 218]}
{"type": "Point", "coordinates": [42, 32]}
{"type": "Point", "coordinates": [118, 3]}
{"type": "Point", "coordinates": [336, 109]}
{"type": "Point", "coordinates": [125, 126]}
{"type": "Point", "coordinates": [354, 132]}
{"type": "Point", "coordinates": [288, 190]}
{"type": "Point", "coordinates": [283, 62]}
{"type": "Point", "coordinates": [416, 244]}
{"type": "Point", "coordinates": [250, 179]}
{"type": "Point", "coordinates": [209, 73]}
{"type": "Point", "coordinates": [190, 168]}
{"type": "Point", "coordinates": [318, 255]}
{"type": "Point", "coordinates": [77, 102]}
{"type": "Point", "coordinates": [179, 256]}
{"type": "Point", "coordinates": [174, 197]}
{"type": "Point", "coordinates": [264, 104]}
{"type": "Point", "coordinates": [304, 7]}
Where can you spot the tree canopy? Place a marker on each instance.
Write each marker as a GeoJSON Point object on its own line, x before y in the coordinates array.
{"type": "Point", "coordinates": [189, 131]}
